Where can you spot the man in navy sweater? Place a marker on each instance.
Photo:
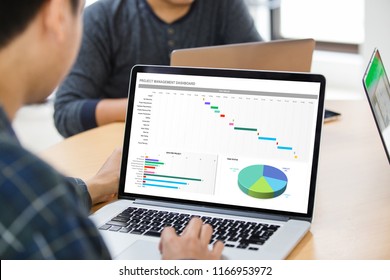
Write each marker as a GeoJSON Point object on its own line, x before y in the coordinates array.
{"type": "Point", "coordinates": [121, 33]}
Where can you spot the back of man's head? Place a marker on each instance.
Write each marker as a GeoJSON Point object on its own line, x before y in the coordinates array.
{"type": "Point", "coordinates": [15, 15]}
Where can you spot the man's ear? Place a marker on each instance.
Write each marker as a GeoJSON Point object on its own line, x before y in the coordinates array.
{"type": "Point", "coordinates": [55, 16]}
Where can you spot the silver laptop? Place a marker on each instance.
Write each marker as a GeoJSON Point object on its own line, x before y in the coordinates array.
{"type": "Point", "coordinates": [237, 148]}
{"type": "Point", "coordinates": [377, 87]}
{"type": "Point", "coordinates": [278, 55]}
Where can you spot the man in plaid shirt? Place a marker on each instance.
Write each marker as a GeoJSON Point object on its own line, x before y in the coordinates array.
{"type": "Point", "coordinates": [44, 215]}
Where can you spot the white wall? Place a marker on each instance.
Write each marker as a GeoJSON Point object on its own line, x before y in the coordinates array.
{"type": "Point", "coordinates": [344, 72]}
{"type": "Point", "coordinates": [377, 33]}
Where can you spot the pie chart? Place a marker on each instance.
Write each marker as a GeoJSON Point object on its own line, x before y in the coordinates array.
{"type": "Point", "coordinates": [262, 181]}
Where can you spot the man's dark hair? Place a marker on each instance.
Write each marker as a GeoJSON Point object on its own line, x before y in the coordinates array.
{"type": "Point", "coordinates": [15, 15]}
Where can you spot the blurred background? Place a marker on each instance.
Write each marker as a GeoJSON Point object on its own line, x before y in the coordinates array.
{"type": "Point", "coordinates": [346, 33]}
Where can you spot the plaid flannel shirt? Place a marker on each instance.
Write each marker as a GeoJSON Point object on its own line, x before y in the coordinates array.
{"type": "Point", "coordinates": [43, 215]}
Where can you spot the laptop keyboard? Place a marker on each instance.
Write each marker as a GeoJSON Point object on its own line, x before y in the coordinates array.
{"type": "Point", "coordinates": [233, 233]}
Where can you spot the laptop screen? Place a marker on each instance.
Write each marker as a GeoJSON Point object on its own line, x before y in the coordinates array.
{"type": "Point", "coordinates": [376, 85]}
{"type": "Point", "coordinates": [245, 139]}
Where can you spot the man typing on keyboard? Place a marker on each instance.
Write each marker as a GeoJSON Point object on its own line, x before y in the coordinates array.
{"type": "Point", "coordinates": [192, 244]}
{"type": "Point", "coordinates": [44, 215]}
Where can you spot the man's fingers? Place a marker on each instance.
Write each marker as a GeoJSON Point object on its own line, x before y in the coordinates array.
{"type": "Point", "coordinates": [193, 229]}
{"type": "Point", "coordinates": [206, 233]}
{"type": "Point", "coordinates": [217, 249]}
{"type": "Point", "coordinates": [168, 233]}
{"type": "Point", "coordinates": [167, 236]}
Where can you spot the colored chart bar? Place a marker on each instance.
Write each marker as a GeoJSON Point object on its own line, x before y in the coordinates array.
{"type": "Point", "coordinates": [245, 128]}
{"type": "Point", "coordinates": [284, 148]}
{"type": "Point", "coordinates": [207, 103]}
{"type": "Point", "coordinates": [217, 111]}
{"type": "Point", "coordinates": [175, 177]}
{"type": "Point", "coordinates": [153, 163]}
{"type": "Point", "coordinates": [165, 181]}
{"type": "Point", "coordinates": [150, 164]}
{"type": "Point", "coordinates": [148, 172]}
{"type": "Point", "coordinates": [222, 115]}
{"type": "Point", "coordinates": [214, 107]}
{"type": "Point", "coordinates": [149, 159]}
{"type": "Point", "coordinates": [231, 124]}
{"type": "Point", "coordinates": [150, 167]}
{"type": "Point", "coordinates": [160, 186]}
{"type": "Point", "coordinates": [267, 138]}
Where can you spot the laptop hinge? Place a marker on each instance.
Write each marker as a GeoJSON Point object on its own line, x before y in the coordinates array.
{"type": "Point", "coordinates": [207, 209]}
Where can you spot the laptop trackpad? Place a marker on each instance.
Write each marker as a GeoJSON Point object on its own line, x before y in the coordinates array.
{"type": "Point", "coordinates": [141, 250]}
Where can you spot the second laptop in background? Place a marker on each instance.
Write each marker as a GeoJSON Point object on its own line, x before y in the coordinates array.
{"type": "Point", "coordinates": [278, 55]}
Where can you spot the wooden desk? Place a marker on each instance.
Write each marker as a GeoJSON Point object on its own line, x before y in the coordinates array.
{"type": "Point", "coordinates": [82, 155]}
{"type": "Point", "coordinates": [352, 207]}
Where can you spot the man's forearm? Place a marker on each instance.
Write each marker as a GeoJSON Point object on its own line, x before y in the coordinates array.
{"type": "Point", "coordinates": [111, 110]}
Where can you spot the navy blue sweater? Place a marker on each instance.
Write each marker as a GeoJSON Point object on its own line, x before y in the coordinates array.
{"type": "Point", "coordinates": [121, 33]}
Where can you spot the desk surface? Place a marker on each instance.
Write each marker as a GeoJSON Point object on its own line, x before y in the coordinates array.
{"type": "Point", "coordinates": [352, 206]}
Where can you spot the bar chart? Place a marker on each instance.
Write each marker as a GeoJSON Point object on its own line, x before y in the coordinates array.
{"type": "Point", "coordinates": [182, 172]}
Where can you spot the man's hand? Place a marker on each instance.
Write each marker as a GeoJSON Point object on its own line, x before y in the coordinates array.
{"type": "Point", "coordinates": [192, 244]}
{"type": "Point", "coordinates": [104, 185]}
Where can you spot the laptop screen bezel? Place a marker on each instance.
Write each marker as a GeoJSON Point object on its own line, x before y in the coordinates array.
{"type": "Point", "coordinates": [234, 73]}
{"type": "Point", "coordinates": [375, 54]}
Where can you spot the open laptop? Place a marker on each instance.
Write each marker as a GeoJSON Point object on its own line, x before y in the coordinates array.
{"type": "Point", "coordinates": [377, 87]}
{"type": "Point", "coordinates": [237, 148]}
{"type": "Point", "coordinates": [278, 55]}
